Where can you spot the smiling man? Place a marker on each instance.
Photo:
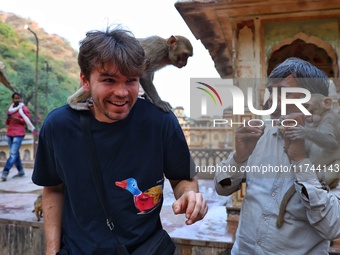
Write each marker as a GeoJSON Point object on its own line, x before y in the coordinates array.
{"type": "Point", "coordinates": [312, 214]}
{"type": "Point", "coordinates": [137, 144]}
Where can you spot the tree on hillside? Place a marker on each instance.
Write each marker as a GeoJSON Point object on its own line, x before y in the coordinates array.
{"type": "Point", "coordinates": [18, 54]}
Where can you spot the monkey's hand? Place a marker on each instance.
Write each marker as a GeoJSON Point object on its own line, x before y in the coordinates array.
{"type": "Point", "coordinates": [151, 92]}
{"type": "Point", "coordinates": [165, 106]}
{"type": "Point", "coordinates": [324, 185]}
{"type": "Point", "coordinates": [298, 132]}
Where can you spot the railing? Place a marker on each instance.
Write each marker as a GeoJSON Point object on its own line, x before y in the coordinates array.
{"type": "Point", "coordinates": [205, 158]}
{"type": "Point", "coordinates": [201, 157]}
{"type": "Point", "coordinates": [209, 156]}
{"type": "Point", "coordinates": [2, 136]}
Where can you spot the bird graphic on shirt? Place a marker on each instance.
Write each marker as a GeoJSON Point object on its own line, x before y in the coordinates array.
{"type": "Point", "coordinates": [144, 201]}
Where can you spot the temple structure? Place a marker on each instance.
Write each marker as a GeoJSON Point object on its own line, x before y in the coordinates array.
{"type": "Point", "coordinates": [247, 38]}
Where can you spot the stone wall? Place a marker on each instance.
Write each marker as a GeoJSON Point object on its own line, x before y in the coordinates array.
{"type": "Point", "coordinates": [27, 238]}
{"type": "Point", "coordinates": [21, 237]}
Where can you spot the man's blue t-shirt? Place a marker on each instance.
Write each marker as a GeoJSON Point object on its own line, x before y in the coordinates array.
{"type": "Point", "coordinates": [134, 155]}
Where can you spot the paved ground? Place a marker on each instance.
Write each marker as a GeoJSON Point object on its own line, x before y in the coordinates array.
{"type": "Point", "coordinates": [18, 195]}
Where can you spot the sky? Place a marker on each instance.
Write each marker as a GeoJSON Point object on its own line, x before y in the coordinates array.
{"type": "Point", "coordinates": [73, 18]}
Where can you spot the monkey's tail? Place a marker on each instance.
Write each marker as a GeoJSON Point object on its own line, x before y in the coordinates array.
{"type": "Point", "coordinates": [76, 100]}
{"type": "Point", "coordinates": [280, 218]}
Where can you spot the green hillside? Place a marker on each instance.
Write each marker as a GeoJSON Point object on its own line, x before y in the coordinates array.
{"type": "Point", "coordinates": [58, 75]}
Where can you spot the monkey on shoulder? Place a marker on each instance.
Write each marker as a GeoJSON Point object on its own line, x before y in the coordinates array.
{"type": "Point", "coordinates": [173, 51]}
{"type": "Point", "coordinates": [322, 135]}
{"type": "Point", "coordinates": [160, 52]}
{"type": "Point", "coordinates": [322, 144]}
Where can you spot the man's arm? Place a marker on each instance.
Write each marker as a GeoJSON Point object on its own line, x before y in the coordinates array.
{"type": "Point", "coordinates": [53, 201]}
{"type": "Point", "coordinates": [26, 111]}
{"type": "Point", "coordinates": [189, 200]}
{"type": "Point", "coordinates": [229, 178]}
{"type": "Point", "coordinates": [322, 207]}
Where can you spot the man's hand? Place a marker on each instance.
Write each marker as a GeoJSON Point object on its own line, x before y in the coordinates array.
{"type": "Point", "coordinates": [193, 205]}
{"type": "Point", "coordinates": [295, 148]}
{"type": "Point", "coordinates": [245, 141]}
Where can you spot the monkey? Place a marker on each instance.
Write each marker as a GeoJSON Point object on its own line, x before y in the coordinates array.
{"type": "Point", "coordinates": [174, 51]}
{"type": "Point", "coordinates": [160, 52]}
{"type": "Point", "coordinates": [322, 144]}
{"type": "Point", "coordinates": [321, 134]}
{"type": "Point", "coordinates": [38, 208]}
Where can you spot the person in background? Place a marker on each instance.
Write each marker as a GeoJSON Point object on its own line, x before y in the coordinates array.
{"type": "Point", "coordinates": [17, 118]}
{"type": "Point", "coordinates": [137, 145]}
{"type": "Point", "coordinates": [312, 215]}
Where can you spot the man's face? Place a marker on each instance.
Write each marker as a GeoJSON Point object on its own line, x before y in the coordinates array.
{"type": "Point", "coordinates": [290, 81]}
{"type": "Point", "coordinates": [113, 94]}
{"type": "Point", "coordinates": [16, 100]}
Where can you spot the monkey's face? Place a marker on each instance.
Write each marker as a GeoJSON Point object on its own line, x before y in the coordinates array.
{"type": "Point", "coordinates": [181, 60]}
{"type": "Point", "coordinates": [113, 93]}
{"type": "Point", "coordinates": [316, 107]}
{"type": "Point", "coordinates": [309, 118]}
{"type": "Point", "coordinates": [179, 57]}
{"type": "Point", "coordinates": [180, 49]}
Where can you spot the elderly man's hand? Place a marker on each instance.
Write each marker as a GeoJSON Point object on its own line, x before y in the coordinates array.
{"type": "Point", "coordinates": [295, 148]}
{"type": "Point", "coordinates": [246, 138]}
